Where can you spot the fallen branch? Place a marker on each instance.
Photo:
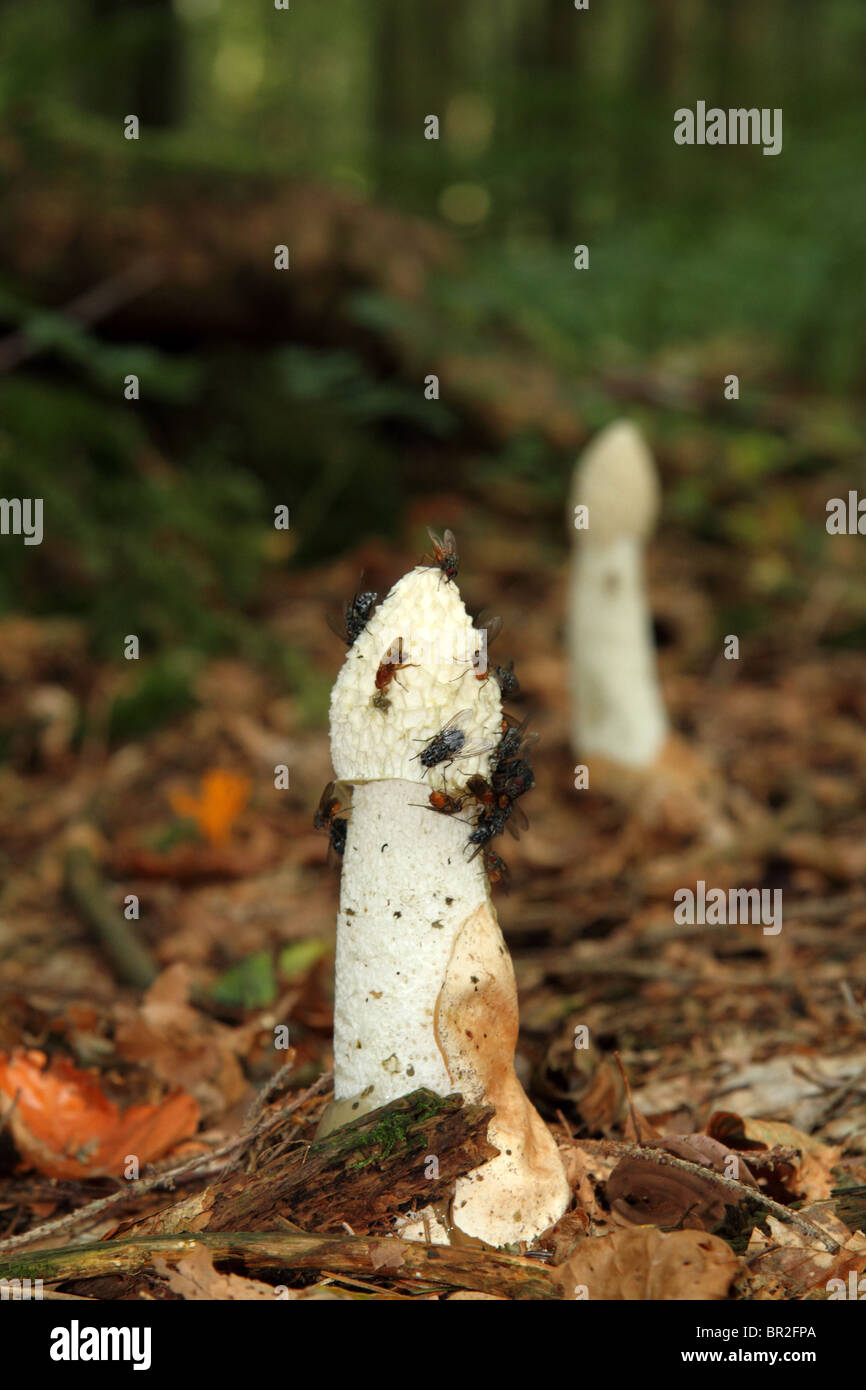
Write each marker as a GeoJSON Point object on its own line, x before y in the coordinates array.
{"type": "Point", "coordinates": [89, 308]}
{"type": "Point", "coordinates": [130, 959]}
{"type": "Point", "coordinates": [486, 1271]}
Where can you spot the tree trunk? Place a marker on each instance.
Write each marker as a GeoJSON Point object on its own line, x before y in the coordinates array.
{"type": "Point", "coordinates": [135, 63]}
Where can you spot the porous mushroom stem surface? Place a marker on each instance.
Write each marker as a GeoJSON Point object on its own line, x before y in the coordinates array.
{"type": "Point", "coordinates": [425, 989]}
{"type": "Point", "coordinates": [406, 891]}
{"type": "Point", "coordinates": [618, 710]}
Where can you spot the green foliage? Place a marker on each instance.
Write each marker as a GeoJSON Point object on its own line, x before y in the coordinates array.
{"type": "Point", "coordinates": [179, 832]}
{"type": "Point", "coordinates": [250, 984]}
{"type": "Point", "coordinates": [136, 545]}
{"type": "Point", "coordinates": [299, 957]}
{"type": "Point", "coordinates": [341, 381]}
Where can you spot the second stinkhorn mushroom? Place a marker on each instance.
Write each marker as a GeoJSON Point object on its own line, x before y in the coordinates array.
{"type": "Point", "coordinates": [619, 723]}
{"type": "Point", "coordinates": [618, 708]}
{"type": "Point", "coordinates": [425, 988]}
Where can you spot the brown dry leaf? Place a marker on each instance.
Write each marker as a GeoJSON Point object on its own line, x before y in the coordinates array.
{"type": "Point", "coordinates": [785, 1264]}
{"type": "Point", "coordinates": [644, 1263]}
{"type": "Point", "coordinates": [703, 1149]}
{"type": "Point", "coordinates": [386, 1254]}
{"type": "Point", "coordinates": [66, 1127]}
{"type": "Point", "coordinates": [601, 1104]}
{"type": "Point", "coordinates": [180, 1044]}
{"type": "Point", "coordinates": [195, 1279]}
{"type": "Point", "coordinates": [254, 851]}
{"type": "Point", "coordinates": [791, 1085]}
{"type": "Point", "coordinates": [812, 1174]}
{"type": "Point", "coordinates": [587, 1170]}
{"type": "Point", "coordinates": [644, 1193]}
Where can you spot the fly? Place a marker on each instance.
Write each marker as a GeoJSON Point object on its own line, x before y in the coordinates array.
{"type": "Point", "coordinates": [445, 553]}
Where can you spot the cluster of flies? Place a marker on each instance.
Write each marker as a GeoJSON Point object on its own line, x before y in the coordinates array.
{"type": "Point", "coordinates": [492, 805]}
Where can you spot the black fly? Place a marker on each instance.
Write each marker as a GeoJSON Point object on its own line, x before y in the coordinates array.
{"type": "Point", "coordinates": [339, 826]}
{"type": "Point", "coordinates": [506, 680]}
{"type": "Point", "coordinates": [514, 735]}
{"type": "Point", "coordinates": [356, 615]}
{"type": "Point", "coordinates": [448, 744]}
{"type": "Point", "coordinates": [336, 797]}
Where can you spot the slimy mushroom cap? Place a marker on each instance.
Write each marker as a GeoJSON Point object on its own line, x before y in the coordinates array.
{"type": "Point", "coordinates": [370, 740]}
{"type": "Point", "coordinates": [616, 479]}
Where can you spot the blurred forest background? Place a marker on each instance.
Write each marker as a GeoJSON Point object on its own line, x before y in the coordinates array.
{"type": "Point", "coordinates": [303, 127]}
{"type": "Point", "coordinates": [305, 387]}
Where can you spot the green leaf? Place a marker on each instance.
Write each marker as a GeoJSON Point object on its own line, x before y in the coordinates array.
{"type": "Point", "coordinates": [298, 958]}
{"type": "Point", "coordinates": [251, 984]}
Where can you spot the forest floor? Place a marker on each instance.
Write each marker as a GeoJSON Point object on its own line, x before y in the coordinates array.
{"type": "Point", "coordinates": [710, 1041]}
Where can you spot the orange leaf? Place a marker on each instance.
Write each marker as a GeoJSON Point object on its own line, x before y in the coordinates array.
{"type": "Point", "coordinates": [223, 797]}
{"type": "Point", "coordinates": [66, 1127]}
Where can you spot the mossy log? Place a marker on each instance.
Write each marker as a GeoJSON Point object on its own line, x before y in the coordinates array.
{"type": "Point", "coordinates": [407, 1153]}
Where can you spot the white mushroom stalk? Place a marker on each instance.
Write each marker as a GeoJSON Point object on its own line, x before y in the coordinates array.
{"type": "Point", "coordinates": [618, 711]}
{"type": "Point", "coordinates": [425, 989]}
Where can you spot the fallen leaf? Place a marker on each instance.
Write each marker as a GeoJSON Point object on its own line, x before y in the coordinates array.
{"type": "Point", "coordinates": [786, 1264]}
{"type": "Point", "coordinates": [180, 1044]}
{"type": "Point", "coordinates": [66, 1127]}
{"type": "Point", "coordinates": [810, 1174]}
{"type": "Point", "coordinates": [642, 1262]}
{"type": "Point", "coordinates": [222, 798]}
{"type": "Point", "coordinates": [196, 1280]}
{"type": "Point", "coordinates": [386, 1254]}
{"type": "Point", "coordinates": [646, 1193]}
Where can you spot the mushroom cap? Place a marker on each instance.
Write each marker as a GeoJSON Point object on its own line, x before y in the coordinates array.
{"type": "Point", "coordinates": [381, 734]}
{"type": "Point", "coordinates": [616, 479]}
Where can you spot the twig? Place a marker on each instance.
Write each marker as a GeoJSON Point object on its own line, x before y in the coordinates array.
{"type": "Point", "coordinates": [133, 964]}
{"type": "Point", "coordinates": [750, 1194]}
{"type": "Point", "coordinates": [565, 1125]}
{"type": "Point", "coordinates": [270, 1088]}
{"type": "Point", "coordinates": [97, 303]}
{"type": "Point", "coordinates": [631, 1108]}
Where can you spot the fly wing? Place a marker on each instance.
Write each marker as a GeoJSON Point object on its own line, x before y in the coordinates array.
{"type": "Point", "coordinates": [488, 622]}
{"type": "Point", "coordinates": [474, 750]}
{"type": "Point", "coordinates": [321, 818]}
{"type": "Point", "coordinates": [453, 723]}
{"type": "Point", "coordinates": [336, 620]}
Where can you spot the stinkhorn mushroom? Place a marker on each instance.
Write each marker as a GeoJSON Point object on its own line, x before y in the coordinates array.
{"type": "Point", "coordinates": [618, 716]}
{"type": "Point", "coordinates": [425, 990]}
{"type": "Point", "coordinates": [618, 708]}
